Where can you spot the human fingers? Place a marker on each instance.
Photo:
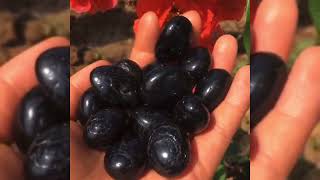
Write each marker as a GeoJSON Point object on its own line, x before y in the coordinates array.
{"type": "Point", "coordinates": [146, 37]}
{"type": "Point", "coordinates": [274, 27]}
{"type": "Point", "coordinates": [224, 53]}
{"type": "Point", "coordinates": [85, 162]}
{"type": "Point", "coordinates": [79, 83]}
{"type": "Point", "coordinates": [223, 123]}
{"type": "Point", "coordinates": [273, 31]}
{"type": "Point", "coordinates": [227, 117]}
{"type": "Point", "coordinates": [11, 164]}
{"type": "Point", "coordinates": [17, 77]}
{"type": "Point", "coordinates": [143, 51]}
{"type": "Point", "coordinates": [279, 139]}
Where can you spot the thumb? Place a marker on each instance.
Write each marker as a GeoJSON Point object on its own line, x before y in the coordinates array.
{"type": "Point", "coordinates": [11, 165]}
{"type": "Point", "coordinates": [86, 163]}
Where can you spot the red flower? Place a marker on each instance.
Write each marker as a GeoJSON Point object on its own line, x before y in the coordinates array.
{"type": "Point", "coordinates": [211, 12]}
{"type": "Point", "coordinates": [92, 6]}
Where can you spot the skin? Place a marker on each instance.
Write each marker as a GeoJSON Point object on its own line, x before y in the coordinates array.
{"type": "Point", "coordinates": [17, 77]}
{"type": "Point", "coordinates": [88, 164]}
{"type": "Point", "coordinates": [277, 142]}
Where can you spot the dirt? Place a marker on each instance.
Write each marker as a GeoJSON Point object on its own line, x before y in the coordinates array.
{"type": "Point", "coordinates": [101, 36]}
{"type": "Point", "coordinates": [21, 27]}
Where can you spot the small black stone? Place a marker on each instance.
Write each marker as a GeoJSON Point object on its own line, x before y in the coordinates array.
{"type": "Point", "coordinates": [151, 67]}
{"type": "Point", "coordinates": [53, 71]}
{"type": "Point", "coordinates": [268, 75]}
{"type": "Point", "coordinates": [89, 104]}
{"type": "Point", "coordinates": [197, 62]}
{"type": "Point", "coordinates": [49, 155]}
{"type": "Point", "coordinates": [105, 128]}
{"type": "Point", "coordinates": [127, 159]}
{"type": "Point", "coordinates": [168, 150]}
{"type": "Point", "coordinates": [146, 119]}
{"type": "Point", "coordinates": [115, 86]}
{"type": "Point", "coordinates": [192, 115]}
{"type": "Point", "coordinates": [164, 86]}
{"type": "Point", "coordinates": [213, 88]}
{"type": "Point", "coordinates": [35, 114]}
{"type": "Point", "coordinates": [174, 40]}
{"type": "Point", "coordinates": [131, 67]}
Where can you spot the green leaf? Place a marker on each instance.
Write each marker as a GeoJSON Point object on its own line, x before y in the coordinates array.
{"type": "Point", "coordinates": [241, 61]}
{"type": "Point", "coordinates": [246, 35]}
{"type": "Point", "coordinates": [221, 173]}
{"type": "Point", "coordinates": [245, 169]}
{"type": "Point", "coordinates": [238, 148]}
{"type": "Point", "coordinates": [314, 9]}
{"type": "Point", "coordinates": [299, 47]}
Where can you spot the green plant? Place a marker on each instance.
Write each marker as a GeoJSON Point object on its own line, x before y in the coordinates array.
{"type": "Point", "coordinates": [314, 10]}
{"type": "Point", "coordinates": [236, 162]}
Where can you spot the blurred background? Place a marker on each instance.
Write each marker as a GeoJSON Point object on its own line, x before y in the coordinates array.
{"type": "Point", "coordinates": [26, 22]}
{"type": "Point", "coordinates": [110, 36]}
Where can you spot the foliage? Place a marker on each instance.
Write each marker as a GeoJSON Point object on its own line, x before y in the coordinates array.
{"type": "Point", "coordinates": [314, 10]}
{"type": "Point", "coordinates": [298, 48]}
{"type": "Point", "coordinates": [236, 163]}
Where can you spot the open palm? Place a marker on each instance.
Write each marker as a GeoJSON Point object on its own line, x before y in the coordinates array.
{"type": "Point", "coordinates": [207, 148]}
{"type": "Point", "coordinates": [276, 142]}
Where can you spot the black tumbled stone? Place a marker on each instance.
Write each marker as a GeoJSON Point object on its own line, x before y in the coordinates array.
{"type": "Point", "coordinates": [268, 75]}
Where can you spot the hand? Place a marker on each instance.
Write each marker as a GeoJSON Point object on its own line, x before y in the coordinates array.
{"type": "Point", "coordinates": [17, 77]}
{"type": "Point", "coordinates": [209, 147]}
{"type": "Point", "coordinates": [277, 142]}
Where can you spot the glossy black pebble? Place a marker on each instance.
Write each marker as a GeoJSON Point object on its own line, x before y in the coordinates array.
{"type": "Point", "coordinates": [36, 113]}
{"type": "Point", "coordinates": [267, 77]}
{"type": "Point", "coordinates": [146, 119]}
{"type": "Point", "coordinates": [49, 155]}
{"type": "Point", "coordinates": [174, 40]}
{"type": "Point", "coordinates": [192, 115]}
{"type": "Point", "coordinates": [168, 150]}
{"type": "Point", "coordinates": [197, 62]}
{"type": "Point", "coordinates": [89, 104]}
{"type": "Point", "coordinates": [115, 86]}
{"type": "Point", "coordinates": [52, 70]}
{"type": "Point", "coordinates": [104, 128]}
{"type": "Point", "coordinates": [152, 66]}
{"type": "Point", "coordinates": [164, 86]}
{"type": "Point", "coordinates": [131, 67]}
{"type": "Point", "coordinates": [213, 88]}
{"type": "Point", "coordinates": [126, 160]}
